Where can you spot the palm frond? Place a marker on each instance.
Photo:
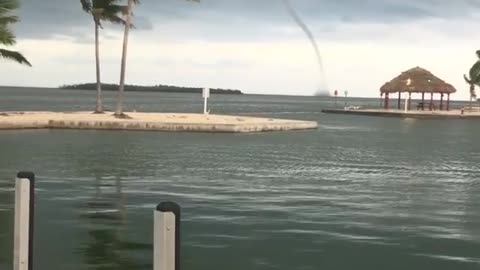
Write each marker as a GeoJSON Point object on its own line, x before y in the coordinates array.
{"type": "Point", "coordinates": [4, 20]}
{"type": "Point", "coordinates": [105, 10]}
{"type": "Point", "coordinates": [86, 5]}
{"type": "Point", "coordinates": [113, 19]}
{"type": "Point", "coordinates": [475, 73]}
{"type": "Point", "coordinates": [6, 36]}
{"type": "Point", "coordinates": [117, 9]}
{"type": "Point", "coordinates": [6, 6]}
{"type": "Point", "coordinates": [467, 80]}
{"type": "Point", "coordinates": [14, 56]}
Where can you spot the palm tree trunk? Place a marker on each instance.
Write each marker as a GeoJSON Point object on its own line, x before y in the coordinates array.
{"type": "Point", "coordinates": [120, 96]}
{"type": "Point", "coordinates": [472, 88]}
{"type": "Point", "coordinates": [99, 108]}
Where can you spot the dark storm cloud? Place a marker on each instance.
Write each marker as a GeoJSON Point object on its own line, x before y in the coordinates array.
{"type": "Point", "coordinates": [273, 11]}
{"type": "Point", "coordinates": [226, 18]}
{"type": "Point", "coordinates": [48, 18]}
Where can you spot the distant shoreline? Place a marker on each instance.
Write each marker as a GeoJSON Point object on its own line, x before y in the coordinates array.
{"type": "Point", "coordinates": [154, 88]}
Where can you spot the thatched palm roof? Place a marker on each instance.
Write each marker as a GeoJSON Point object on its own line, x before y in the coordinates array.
{"type": "Point", "coordinates": [417, 80]}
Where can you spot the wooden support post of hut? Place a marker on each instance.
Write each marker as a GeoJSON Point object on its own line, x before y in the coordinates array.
{"type": "Point", "coordinates": [431, 101]}
{"type": "Point", "coordinates": [423, 101]}
{"type": "Point", "coordinates": [399, 99]}
{"type": "Point", "coordinates": [441, 102]}
{"type": "Point", "coordinates": [418, 80]}
{"type": "Point", "coordinates": [409, 101]}
{"type": "Point", "coordinates": [448, 102]}
{"type": "Point", "coordinates": [385, 104]}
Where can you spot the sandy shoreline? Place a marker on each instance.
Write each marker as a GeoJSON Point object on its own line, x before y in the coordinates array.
{"type": "Point", "coordinates": [148, 121]}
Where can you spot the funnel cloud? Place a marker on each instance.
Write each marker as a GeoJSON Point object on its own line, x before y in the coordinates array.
{"type": "Point", "coordinates": [323, 88]}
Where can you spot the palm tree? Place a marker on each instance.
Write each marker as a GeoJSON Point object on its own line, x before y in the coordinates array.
{"type": "Point", "coordinates": [474, 78]}
{"type": "Point", "coordinates": [119, 110]}
{"type": "Point", "coordinates": [120, 97]}
{"type": "Point", "coordinates": [102, 10]}
{"type": "Point", "coordinates": [7, 37]}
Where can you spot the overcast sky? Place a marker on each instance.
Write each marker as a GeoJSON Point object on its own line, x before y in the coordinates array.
{"type": "Point", "coordinates": [252, 45]}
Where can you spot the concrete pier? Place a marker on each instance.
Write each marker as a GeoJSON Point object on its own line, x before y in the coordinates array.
{"type": "Point", "coordinates": [452, 114]}
{"type": "Point", "coordinates": [148, 122]}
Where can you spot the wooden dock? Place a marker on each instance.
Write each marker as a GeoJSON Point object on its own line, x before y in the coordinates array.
{"type": "Point", "coordinates": [452, 114]}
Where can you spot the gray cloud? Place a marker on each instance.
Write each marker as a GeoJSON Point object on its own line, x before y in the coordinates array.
{"type": "Point", "coordinates": [229, 19]}
{"type": "Point", "coordinates": [272, 11]}
{"type": "Point", "coordinates": [50, 18]}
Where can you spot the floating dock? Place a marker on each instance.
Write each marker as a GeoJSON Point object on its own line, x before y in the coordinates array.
{"type": "Point", "coordinates": [176, 122]}
{"type": "Point", "coordinates": [452, 114]}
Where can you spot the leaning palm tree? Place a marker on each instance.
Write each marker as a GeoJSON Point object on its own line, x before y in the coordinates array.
{"type": "Point", "coordinates": [102, 10]}
{"type": "Point", "coordinates": [7, 37]}
{"type": "Point", "coordinates": [120, 97]}
{"type": "Point", "coordinates": [473, 79]}
{"type": "Point", "coordinates": [119, 109]}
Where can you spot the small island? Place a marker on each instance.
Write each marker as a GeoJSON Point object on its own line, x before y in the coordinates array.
{"type": "Point", "coordinates": [154, 88]}
{"type": "Point", "coordinates": [149, 121]}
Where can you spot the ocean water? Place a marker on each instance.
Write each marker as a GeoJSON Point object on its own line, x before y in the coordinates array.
{"type": "Point", "coordinates": [358, 193]}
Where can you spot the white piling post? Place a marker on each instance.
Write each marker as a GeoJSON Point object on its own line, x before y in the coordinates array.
{"type": "Point", "coordinates": [406, 104]}
{"type": "Point", "coordinates": [24, 217]}
{"type": "Point", "coordinates": [166, 237]}
{"type": "Point", "coordinates": [205, 95]}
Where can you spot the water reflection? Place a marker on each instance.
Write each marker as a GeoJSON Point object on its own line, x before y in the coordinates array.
{"type": "Point", "coordinates": [6, 225]}
{"type": "Point", "coordinates": [108, 246]}
{"type": "Point", "coordinates": [359, 193]}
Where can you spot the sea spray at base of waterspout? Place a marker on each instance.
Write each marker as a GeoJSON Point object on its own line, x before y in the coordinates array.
{"type": "Point", "coordinates": [322, 93]}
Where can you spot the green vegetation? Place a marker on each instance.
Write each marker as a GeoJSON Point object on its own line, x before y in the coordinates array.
{"type": "Point", "coordinates": [102, 10]}
{"type": "Point", "coordinates": [155, 88]}
{"type": "Point", "coordinates": [7, 37]}
{"type": "Point", "coordinates": [474, 77]}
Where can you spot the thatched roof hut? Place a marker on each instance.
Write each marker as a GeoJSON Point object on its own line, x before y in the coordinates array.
{"type": "Point", "coordinates": [417, 80]}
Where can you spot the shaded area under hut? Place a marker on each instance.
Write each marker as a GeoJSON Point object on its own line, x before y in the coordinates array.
{"type": "Point", "coordinates": [417, 80]}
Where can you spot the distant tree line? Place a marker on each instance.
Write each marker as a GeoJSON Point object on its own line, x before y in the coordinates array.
{"type": "Point", "coordinates": [155, 88]}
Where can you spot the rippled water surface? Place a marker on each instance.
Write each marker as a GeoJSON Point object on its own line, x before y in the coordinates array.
{"type": "Point", "coordinates": [358, 193]}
